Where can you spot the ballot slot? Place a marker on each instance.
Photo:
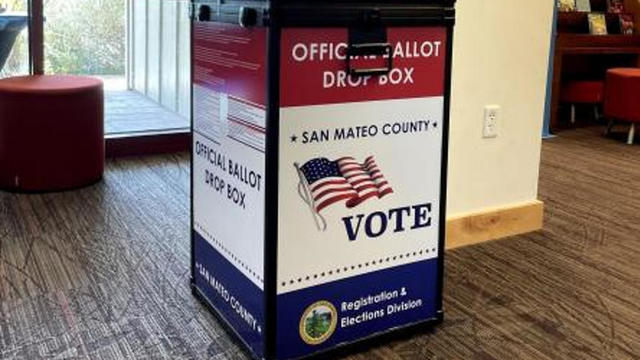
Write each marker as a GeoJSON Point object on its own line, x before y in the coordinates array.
{"type": "Point", "coordinates": [369, 52]}
{"type": "Point", "coordinates": [245, 13]}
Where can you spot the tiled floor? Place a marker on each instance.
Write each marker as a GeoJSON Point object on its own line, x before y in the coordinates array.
{"type": "Point", "coordinates": [129, 111]}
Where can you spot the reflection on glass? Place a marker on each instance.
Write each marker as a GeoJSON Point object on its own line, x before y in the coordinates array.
{"type": "Point", "coordinates": [14, 42]}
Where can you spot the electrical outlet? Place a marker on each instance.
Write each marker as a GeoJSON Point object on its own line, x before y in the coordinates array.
{"type": "Point", "coordinates": [491, 121]}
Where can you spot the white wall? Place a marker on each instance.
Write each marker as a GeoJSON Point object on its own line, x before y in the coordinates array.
{"type": "Point", "coordinates": [501, 56]}
{"type": "Point", "coordinates": [160, 51]}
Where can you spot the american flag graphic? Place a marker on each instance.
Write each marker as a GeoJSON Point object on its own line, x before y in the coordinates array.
{"type": "Point", "coordinates": [330, 182]}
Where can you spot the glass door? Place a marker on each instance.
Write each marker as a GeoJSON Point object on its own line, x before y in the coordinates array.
{"type": "Point", "coordinates": [86, 37]}
{"type": "Point", "coordinates": [14, 38]}
{"type": "Point", "coordinates": [139, 48]}
{"type": "Point", "coordinates": [159, 61]}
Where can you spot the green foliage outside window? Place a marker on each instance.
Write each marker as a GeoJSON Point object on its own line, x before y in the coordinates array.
{"type": "Point", "coordinates": [85, 37]}
{"type": "Point", "coordinates": [81, 37]}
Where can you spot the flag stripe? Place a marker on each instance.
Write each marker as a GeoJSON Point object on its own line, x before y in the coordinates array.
{"type": "Point", "coordinates": [343, 190]}
{"type": "Point", "coordinates": [359, 200]}
{"type": "Point", "coordinates": [340, 181]}
{"type": "Point", "coordinates": [333, 200]}
{"type": "Point", "coordinates": [363, 181]}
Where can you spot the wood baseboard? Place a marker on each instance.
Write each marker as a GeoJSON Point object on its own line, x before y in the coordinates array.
{"type": "Point", "coordinates": [153, 143]}
{"type": "Point", "coordinates": [493, 224]}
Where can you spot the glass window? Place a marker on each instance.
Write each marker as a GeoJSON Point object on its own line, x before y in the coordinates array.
{"type": "Point", "coordinates": [14, 40]}
{"type": "Point", "coordinates": [85, 38]}
{"type": "Point", "coordinates": [139, 48]}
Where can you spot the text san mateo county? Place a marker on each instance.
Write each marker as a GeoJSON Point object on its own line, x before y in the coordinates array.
{"type": "Point", "coordinates": [226, 296]}
{"type": "Point", "coordinates": [366, 131]}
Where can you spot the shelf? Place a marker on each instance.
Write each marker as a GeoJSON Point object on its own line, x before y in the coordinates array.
{"type": "Point", "coordinates": [578, 22]}
{"type": "Point", "coordinates": [597, 6]}
{"type": "Point", "coordinates": [568, 40]}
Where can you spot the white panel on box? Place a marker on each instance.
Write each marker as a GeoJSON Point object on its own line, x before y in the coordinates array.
{"type": "Point", "coordinates": [400, 141]}
{"type": "Point", "coordinates": [229, 164]}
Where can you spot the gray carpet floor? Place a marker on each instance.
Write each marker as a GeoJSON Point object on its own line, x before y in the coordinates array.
{"type": "Point", "coordinates": [102, 273]}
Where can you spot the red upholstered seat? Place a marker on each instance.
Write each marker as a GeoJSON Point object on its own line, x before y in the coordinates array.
{"type": "Point", "coordinates": [622, 98]}
{"type": "Point", "coordinates": [582, 92]}
{"type": "Point", "coordinates": [51, 132]}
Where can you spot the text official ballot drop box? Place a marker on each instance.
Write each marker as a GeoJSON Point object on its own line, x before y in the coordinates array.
{"type": "Point", "coordinates": [320, 135]}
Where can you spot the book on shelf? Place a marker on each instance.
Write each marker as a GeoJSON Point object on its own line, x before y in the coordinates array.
{"type": "Point", "coordinates": [583, 5]}
{"type": "Point", "coordinates": [627, 24]}
{"type": "Point", "coordinates": [597, 24]}
{"type": "Point", "coordinates": [567, 5]}
{"type": "Point", "coordinates": [615, 6]}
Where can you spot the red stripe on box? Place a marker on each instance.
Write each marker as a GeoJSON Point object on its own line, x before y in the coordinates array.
{"type": "Point", "coordinates": [427, 73]}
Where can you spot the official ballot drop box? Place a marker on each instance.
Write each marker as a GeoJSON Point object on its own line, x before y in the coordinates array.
{"type": "Point", "coordinates": [320, 132]}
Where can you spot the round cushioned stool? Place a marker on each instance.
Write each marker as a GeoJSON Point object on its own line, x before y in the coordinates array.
{"type": "Point", "coordinates": [51, 133]}
{"type": "Point", "coordinates": [621, 98]}
{"type": "Point", "coordinates": [582, 92]}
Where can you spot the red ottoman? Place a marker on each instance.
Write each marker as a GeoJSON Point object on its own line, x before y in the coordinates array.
{"type": "Point", "coordinates": [582, 92]}
{"type": "Point", "coordinates": [51, 133]}
{"type": "Point", "coordinates": [621, 97]}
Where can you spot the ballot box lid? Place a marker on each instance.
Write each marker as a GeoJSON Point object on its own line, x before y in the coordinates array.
{"type": "Point", "coordinates": [324, 12]}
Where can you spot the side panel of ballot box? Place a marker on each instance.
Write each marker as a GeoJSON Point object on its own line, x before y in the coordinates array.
{"type": "Point", "coordinates": [228, 175]}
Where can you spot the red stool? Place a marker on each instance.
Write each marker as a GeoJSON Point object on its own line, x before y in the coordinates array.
{"type": "Point", "coordinates": [621, 98]}
{"type": "Point", "coordinates": [582, 92]}
{"type": "Point", "coordinates": [51, 133]}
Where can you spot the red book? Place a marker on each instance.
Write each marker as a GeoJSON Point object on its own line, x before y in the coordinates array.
{"type": "Point", "coordinates": [616, 6]}
{"type": "Point", "coordinates": [627, 24]}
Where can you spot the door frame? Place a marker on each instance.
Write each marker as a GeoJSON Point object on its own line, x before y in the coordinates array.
{"type": "Point", "coordinates": [129, 41]}
{"type": "Point", "coordinates": [546, 127]}
{"type": "Point", "coordinates": [36, 37]}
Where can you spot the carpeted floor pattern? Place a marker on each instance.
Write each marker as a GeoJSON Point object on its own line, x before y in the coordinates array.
{"type": "Point", "coordinates": [102, 273]}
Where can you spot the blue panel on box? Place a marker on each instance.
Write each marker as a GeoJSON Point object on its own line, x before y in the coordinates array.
{"type": "Point", "coordinates": [322, 317]}
{"type": "Point", "coordinates": [236, 298]}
